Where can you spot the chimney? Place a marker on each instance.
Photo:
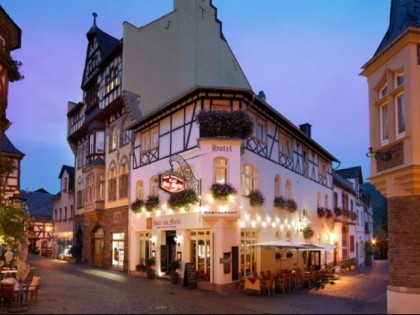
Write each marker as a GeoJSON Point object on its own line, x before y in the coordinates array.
{"type": "Point", "coordinates": [261, 95]}
{"type": "Point", "coordinates": [306, 129]}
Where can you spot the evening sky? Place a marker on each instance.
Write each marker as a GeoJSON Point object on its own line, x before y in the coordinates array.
{"type": "Point", "coordinates": [306, 55]}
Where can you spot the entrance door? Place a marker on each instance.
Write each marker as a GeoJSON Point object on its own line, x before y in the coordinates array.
{"type": "Point", "coordinates": [98, 248]}
{"type": "Point", "coordinates": [314, 260]}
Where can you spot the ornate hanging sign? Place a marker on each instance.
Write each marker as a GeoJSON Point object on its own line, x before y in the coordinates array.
{"type": "Point", "coordinates": [171, 182]}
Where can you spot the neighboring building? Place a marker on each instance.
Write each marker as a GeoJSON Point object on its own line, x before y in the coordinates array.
{"type": "Point", "coordinates": [357, 225]}
{"type": "Point", "coordinates": [10, 39]}
{"type": "Point", "coordinates": [40, 227]}
{"type": "Point", "coordinates": [100, 141]}
{"type": "Point", "coordinates": [63, 213]}
{"type": "Point", "coordinates": [393, 75]}
{"type": "Point", "coordinates": [12, 179]}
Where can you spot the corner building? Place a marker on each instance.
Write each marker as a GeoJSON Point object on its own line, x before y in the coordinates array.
{"type": "Point", "coordinates": [393, 75]}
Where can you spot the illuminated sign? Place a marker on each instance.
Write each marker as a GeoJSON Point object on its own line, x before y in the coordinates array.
{"type": "Point", "coordinates": [171, 182]}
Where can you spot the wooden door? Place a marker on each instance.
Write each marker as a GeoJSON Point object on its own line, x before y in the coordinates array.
{"type": "Point", "coordinates": [98, 256]}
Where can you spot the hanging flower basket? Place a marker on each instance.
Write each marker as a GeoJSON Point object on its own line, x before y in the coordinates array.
{"type": "Point", "coordinates": [183, 199]}
{"type": "Point", "coordinates": [152, 203]}
{"type": "Point", "coordinates": [222, 191]}
{"type": "Point", "coordinates": [347, 214]}
{"type": "Point", "coordinates": [280, 202]}
{"type": "Point", "coordinates": [308, 232]}
{"type": "Point", "coordinates": [137, 205]}
{"type": "Point", "coordinates": [12, 66]}
{"type": "Point", "coordinates": [256, 198]}
{"type": "Point", "coordinates": [289, 254]}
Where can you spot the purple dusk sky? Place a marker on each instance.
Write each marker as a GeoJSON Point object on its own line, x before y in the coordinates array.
{"type": "Point", "coordinates": [306, 55]}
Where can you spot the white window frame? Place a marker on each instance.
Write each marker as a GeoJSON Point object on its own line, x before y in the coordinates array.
{"type": "Point", "coordinates": [250, 179]}
{"type": "Point", "coordinates": [384, 123]}
{"type": "Point", "coordinates": [220, 170]}
{"type": "Point", "coordinates": [400, 115]}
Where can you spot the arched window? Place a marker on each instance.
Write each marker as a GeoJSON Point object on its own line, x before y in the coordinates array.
{"type": "Point", "coordinates": [125, 133]}
{"type": "Point", "coordinates": [250, 179]}
{"type": "Point", "coordinates": [90, 188]}
{"type": "Point", "coordinates": [80, 193]}
{"type": "Point", "coordinates": [140, 190]}
{"type": "Point", "coordinates": [123, 179]}
{"type": "Point", "coordinates": [277, 186]}
{"type": "Point", "coordinates": [112, 183]}
{"type": "Point", "coordinates": [288, 189]}
{"type": "Point", "coordinates": [154, 186]}
{"type": "Point", "coordinates": [326, 201]}
{"type": "Point", "coordinates": [113, 138]}
{"type": "Point", "coordinates": [318, 199]}
{"type": "Point", "coordinates": [220, 170]}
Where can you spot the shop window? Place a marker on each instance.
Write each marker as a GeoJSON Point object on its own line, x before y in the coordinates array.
{"type": "Point", "coordinates": [248, 252]}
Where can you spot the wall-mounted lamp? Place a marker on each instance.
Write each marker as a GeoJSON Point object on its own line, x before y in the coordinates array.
{"type": "Point", "coordinates": [177, 240]}
{"type": "Point", "coordinates": [380, 156]}
{"type": "Point", "coordinates": [151, 240]}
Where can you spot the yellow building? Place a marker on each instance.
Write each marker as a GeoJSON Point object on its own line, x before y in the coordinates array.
{"type": "Point", "coordinates": [393, 75]}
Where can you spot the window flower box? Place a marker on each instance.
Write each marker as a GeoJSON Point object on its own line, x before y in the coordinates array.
{"type": "Point", "coordinates": [183, 199]}
{"type": "Point", "coordinates": [338, 211]}
{"type": "Point", "coordinates": [235, 124]}
{"type": "Point", "coordinates": [280, 202]}
{"type": "Point", "coordinates": [291, 205]}
{"type": "Point", "coordinates": [256, 198]}
{"type": "Point", "coordinates": [137, 205]}
{"type": "Point", "coordinates": [152, 203]}
{"type": "Point", "coordinates": [328, 213]}
{"type": "Point", "coordinates": [321, 212]}
{"type": "Point", "coordinates": [222, 191]}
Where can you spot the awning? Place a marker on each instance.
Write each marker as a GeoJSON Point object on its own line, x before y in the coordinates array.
{"type": "Point", "coordinates": [320, 246]}
{"type": "Point", "coordinates": [280, 243]}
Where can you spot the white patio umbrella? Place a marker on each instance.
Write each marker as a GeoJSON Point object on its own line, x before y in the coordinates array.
{"type": "Point", "coordinates": [282, 244]}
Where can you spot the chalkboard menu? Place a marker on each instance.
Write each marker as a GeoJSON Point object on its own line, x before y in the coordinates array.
{"type": "Point", "coordinates": [164, 258]}
{"type": "Point", "coordinates": [190, 276]}
{"type": "Point", "coordinates": [235, 263]}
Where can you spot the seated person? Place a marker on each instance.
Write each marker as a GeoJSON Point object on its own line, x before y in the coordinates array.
{"type": "Point", "coordinates": [16, 287]}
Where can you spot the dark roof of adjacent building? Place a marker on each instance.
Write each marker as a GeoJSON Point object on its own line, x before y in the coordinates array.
{"type": "Point", "coordinates": [403, 14]}
{"type": "Point", "coordinates": [352, 172]}
{"type": "Point", "coordinates": [70, 171]}
{"type": "Point", "coordinates": [342, 182]}
{"type": "Point", "coordinates": [16, 32]}
{"type": "Point", "coordinates": [8, 147]}
{"type": "Point", "coordinates": [39, 203]}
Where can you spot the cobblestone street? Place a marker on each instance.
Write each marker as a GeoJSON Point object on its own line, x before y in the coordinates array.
{"type": "Point", "coordinates": [78, 289]}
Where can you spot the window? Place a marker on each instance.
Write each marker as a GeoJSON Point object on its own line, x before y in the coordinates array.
{"type": "Point", "coordinates": [399, 79]}
{"type": "Point", "coordinates": [65, 184]}
{"type": "Point", "coordinates": [113, 138]}
{"type": "Point", "coordinates": [305, 163]}
{"type": "Point", "coordinates": [259, 129]}
{"type": "Point", "coordinates": [250, 179]}
{"type": "Point", "coordinates": [149, 139]}
{"type": "Point", "coordinates": [125, 133]}
{"type": "Point", "coordinates": [123, 180]}
{"type": "Point", "coordinates": [400, 114]}
{"type": "Point", "coordinates": [248, 252]}
{"type": "Point", "coordinates": [154, 186]}
{"type": "Point", "coordinates": [140, 190]}
{"type": "Point", "coordinates": [90, 188]}
{"type": "Point", "coordinates": [383, 112]}
{"type": "Point", "coordinates": [79, 193]}
{"type": "Point", "coordinates": [326, 201]}
{"type": "Point", "coordinates": [318, 199]}
{"type": "Point", "coordinates": [335, 200]}
{"type": "Point", "coordinates": [383, 91]}
{"type": "Point", "coordinates": [288, 189]}
{"type": "Point", "coordinates": [277, 186]}
{"type": "Point", "coordinates": [112, 184]}
{"type": "Point", "coordinates": [220, 170]}
{"type": "Point", "coordinates": [101, 187]}
{"type": "Point", "coordinates": [285, 145]}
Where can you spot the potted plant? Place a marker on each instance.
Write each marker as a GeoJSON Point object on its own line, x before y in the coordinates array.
{"type": "Point", "coordinates": [328, 213]}
{"type": "Point", "coordinates": [76, 252]}
{"type": "Point", "coordinates": [289, 254]}
{"type": "Point", "coordinates": [222, 191]}
{"type": "Point", "coordinates": [150, 263]}
{"type": "Point", "coordinates": [183, 199]}
{"type": "Point", "coordinates": [338, 211]}
{"type": "Point", "coordinates": [256, 198]}
{"type": "Point", "coordinates": [308, 232]}
{"type": "Point", "coordinates": [173, 267]}
{"type": "Point", "coordinates": [152, 203]}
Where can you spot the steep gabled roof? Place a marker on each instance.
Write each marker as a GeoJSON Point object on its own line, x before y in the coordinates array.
{"type": "Point", "coordinates": [404, 14]}
{"type": "Point", "coordinates": [352, 172]}
{"type": "Point", "coordinates": [342, 182]}
{"type": "Point", "coordinates": [8, 147]}
{"type": "Point", "coordinates": [70, 171]}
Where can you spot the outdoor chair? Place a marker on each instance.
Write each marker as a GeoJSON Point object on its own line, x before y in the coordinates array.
{"type": "Point", "coordinates": [33, 288]}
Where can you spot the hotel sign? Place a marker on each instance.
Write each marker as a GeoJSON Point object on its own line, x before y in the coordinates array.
{"type": "Point", "coordinates": [171, 182]}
